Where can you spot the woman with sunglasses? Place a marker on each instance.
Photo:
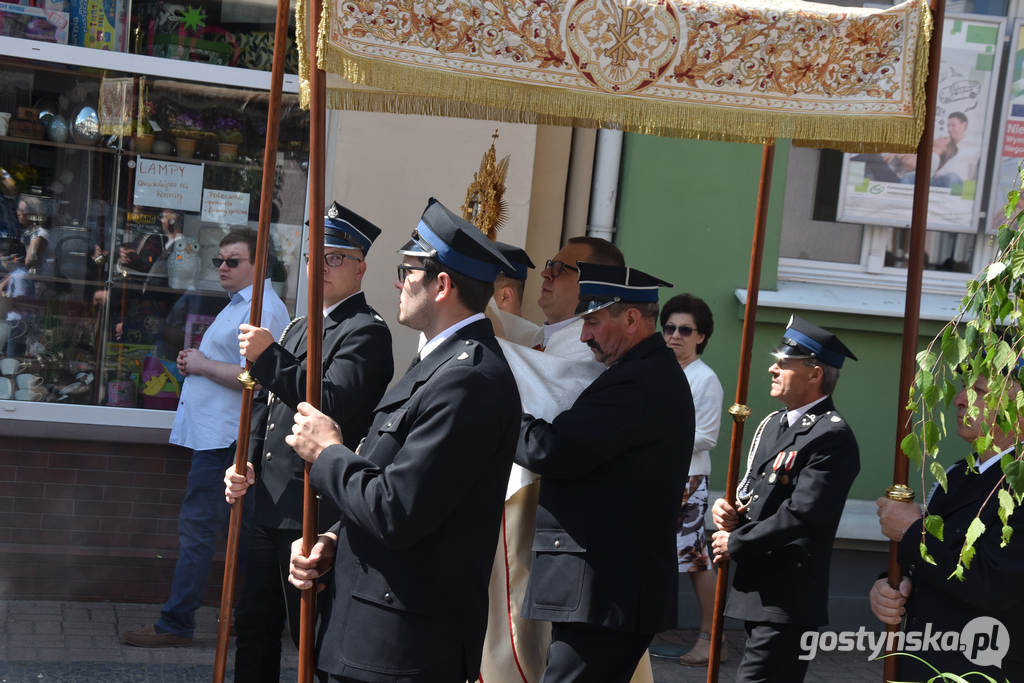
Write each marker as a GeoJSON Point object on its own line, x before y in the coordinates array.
{"type": "Point", "coordinates": [687, 324]}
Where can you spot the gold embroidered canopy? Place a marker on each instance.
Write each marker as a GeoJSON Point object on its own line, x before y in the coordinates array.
{"type": "Point", "coordinates": [747, 71]}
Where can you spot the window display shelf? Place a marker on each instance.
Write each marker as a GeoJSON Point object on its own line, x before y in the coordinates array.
{"type": "Point", "coordinates": [62, 145]}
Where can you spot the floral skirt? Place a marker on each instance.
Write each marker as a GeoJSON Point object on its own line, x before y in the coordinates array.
{"type": "Point", "coordinates": [691, 542]}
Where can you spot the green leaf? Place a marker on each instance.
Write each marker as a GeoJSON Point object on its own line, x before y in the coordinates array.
{"type": "Point", "coordinates": [958, 573]}
{"type": "Point", "coordinates": [974, 532]}
{"type": "Point", "coordinates": [939, 473]}
{"type": "Point", "coordinates": [1005, 234]}
{"type": "Point", "coordinates": [1007, 534]}
{"type": "Point", "coordinates": [949, 392]}
{"type": "Point", "coordinates": [925, 555]}
{"type": "Point", "coordinates": [931, 437]}
{"type": "Point", "coordinates": [1004, 356]}
{"type": "Point", "coordinates": [971, 334]}
{"type": "Point", "coordinates": [933, 524]}
{"type": "Point", "coordinates": [926, 360]}
{"type": "Point", "coordinates": [931, 395]}
{"type": "Point", "coordinates": [1006, 506]}
{"type": "Point", "coordinates": [911, 447]}
{"type": "Point", "coordinates": [994, 270]}
{"type": "Point", "coordinates": [1014, 471]}
{"type": "Point", "coordinates": [1017, 264]}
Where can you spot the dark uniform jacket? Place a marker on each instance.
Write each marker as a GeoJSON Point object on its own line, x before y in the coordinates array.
{"type": "Point", "coordinates": [991, 586]}
{"type": "Point", "coordinates": [613, 468]}
{"type": "Point", "coordinates": [421, 504]}
{"type": "Point", "coordinates": [783, 544]}
{"type": "Point", "coordinates": [357, 366]}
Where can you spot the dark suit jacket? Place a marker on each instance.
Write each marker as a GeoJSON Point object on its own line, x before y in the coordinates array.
{"type": "Point", "coordinates": [612, 468]}
{"type": "Point", "coordinates": [783, 546]}
{"type": "Point", "coordinates": [357, 366]}
{"type": "Point", "coordinates": [991, 586]}
{"type": "Point", "coordinates": [421, 505]}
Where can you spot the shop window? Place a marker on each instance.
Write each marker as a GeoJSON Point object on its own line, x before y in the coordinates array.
{"type": "Point", "coordinates": [116, 191]}
{"type": "Point", "coordinates": [236, 33]}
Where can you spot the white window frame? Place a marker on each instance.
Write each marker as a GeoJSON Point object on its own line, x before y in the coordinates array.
{"type": "Point", "coordinates": [869, 272]}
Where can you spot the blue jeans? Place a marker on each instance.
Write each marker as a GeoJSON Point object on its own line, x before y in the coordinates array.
{"type": "Point", "coordinates": [204, 516]}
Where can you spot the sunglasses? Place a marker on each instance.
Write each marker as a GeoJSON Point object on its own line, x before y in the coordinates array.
{"type": "Point", "coordinates": [684, 330]}
{"type": "Point", "coordinates": [556, 268]}
{"type": "Point", "coordinates": [335, 260]}
{"type": "Point", "coordinates": [232, 262]}
{"type": "Point", "coordinates": [403, 271]}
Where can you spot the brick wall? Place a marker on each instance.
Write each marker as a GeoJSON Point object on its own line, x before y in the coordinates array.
{"type": "Point", "coordinates": [87, 520]}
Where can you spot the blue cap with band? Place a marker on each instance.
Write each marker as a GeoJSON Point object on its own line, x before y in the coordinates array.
{"type": "Point", "coordinates": [456, 243]}
{"type": "Point", "coordinates": [519, 259]}
{"type": "Point", "coordinates": [603, 285]}
{"type": "Point", "coordinates": [345, 229]}
{"type": "Point", "coordinates": [803, 339]}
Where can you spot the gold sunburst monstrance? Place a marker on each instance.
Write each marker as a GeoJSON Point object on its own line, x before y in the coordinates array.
{"type": "Point", "coordinates": [485, 198]}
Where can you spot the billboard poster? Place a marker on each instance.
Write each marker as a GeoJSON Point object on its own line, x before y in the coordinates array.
{"type": "Point", "coordinates": [878, 189]}
{"type": "Point", "coordinates": [1010, 150]}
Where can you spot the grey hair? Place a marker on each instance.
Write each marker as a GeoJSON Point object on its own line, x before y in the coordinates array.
{"type": "Point", "coordinates": [829, 375]}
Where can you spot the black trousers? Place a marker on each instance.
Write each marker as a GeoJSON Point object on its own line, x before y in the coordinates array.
{"type": "Point", "coordinates": [585, 653]}
{"type": "Point", "coordinates": [771, 654]}
{"type": "Point", "coordinates": [268, 602]}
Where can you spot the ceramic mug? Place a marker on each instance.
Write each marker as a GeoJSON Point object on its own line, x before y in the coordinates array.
{"type": "Point", "coordinates": [29, 381]}
{"type": "Point", "coordinates": [6, 387]}
{"type": "Point", "coordinates": [33, 394]}
{"type": "Point", "coordinates": [11, 366]}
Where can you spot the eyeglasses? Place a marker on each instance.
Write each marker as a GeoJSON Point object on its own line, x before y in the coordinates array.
{"type": "Point", "coordinates": [556, 267]}
{"type": "Point", "coordinates": [403, 271]}
{"type": "Point", "coordinates": [335, 260]}
{"type": "Point", "coordinates": [684, 330]}
{"type": "Point", "coordinates": [231, 262]}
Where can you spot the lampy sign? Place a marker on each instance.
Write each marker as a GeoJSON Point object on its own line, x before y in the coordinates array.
{"type": "Point", "coordinates": [168, 184]}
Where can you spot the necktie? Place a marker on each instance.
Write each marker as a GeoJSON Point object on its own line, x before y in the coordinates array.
{"type": "Point", "coordinates": [783, 424]}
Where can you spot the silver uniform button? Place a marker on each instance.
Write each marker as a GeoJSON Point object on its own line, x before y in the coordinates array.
{"type": "Point", "coordinates": [558, 544]}
{"type": "Point", "coordinates": [270, 427]}
{"type": "Point", "coordinates": [388, 598]}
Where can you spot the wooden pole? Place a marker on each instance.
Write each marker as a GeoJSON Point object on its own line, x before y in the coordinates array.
{"type": "Point", "coordinates": [255, 314]}
{"type": "Point", "coordinates": [739, 410]}
{"type": "Point", "coordinates": [912, 308]}
{"type": "Point", "coordinates": [315, 318]}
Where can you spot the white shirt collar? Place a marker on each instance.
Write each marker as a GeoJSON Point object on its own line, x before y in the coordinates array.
{"type": "Point", "coordinates": [551, 328]}
{"type": "Point", "coordinates": [793, 416]}
{"type": "Point", "coordinates": [444, 334]}
{"type": "Point", "coordinates": [982, 466]}
{"type": "Point", "coordinates": [330, 309]}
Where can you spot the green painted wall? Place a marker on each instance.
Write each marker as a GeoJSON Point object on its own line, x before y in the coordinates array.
{"type": "Point", "coordinates": [686, 214]}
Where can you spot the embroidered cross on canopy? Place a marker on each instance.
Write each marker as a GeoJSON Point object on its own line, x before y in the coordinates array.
{"type": "Point", "coordinates": [748, 71]}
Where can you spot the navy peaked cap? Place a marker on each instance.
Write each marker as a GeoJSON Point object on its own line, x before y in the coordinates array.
{"type": "Point", "coordinates": [803, 339]}
{"type": "Point", "coordinates": [519, 259]}
{"type": "Point", "coordinates": [346, 229]}
{"type": "Point", "coordinates": [456, 243]}
{"type": "Point", "coordinates": [603, 285]}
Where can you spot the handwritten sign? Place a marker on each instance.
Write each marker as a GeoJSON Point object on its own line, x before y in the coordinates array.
{"type": "Point", "coordinates": [168, 184]}
{"type": "Point", "coordinates": [222, 206]}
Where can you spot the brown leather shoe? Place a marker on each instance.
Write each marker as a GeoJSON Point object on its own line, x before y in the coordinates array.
{"type": "Point", "coordinates": [148, 636]}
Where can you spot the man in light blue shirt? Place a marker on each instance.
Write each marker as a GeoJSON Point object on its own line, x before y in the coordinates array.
{"type": "Point", "coordinates": [207, 422]}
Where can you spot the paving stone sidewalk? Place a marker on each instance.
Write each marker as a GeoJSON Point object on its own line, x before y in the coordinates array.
{"type": "Point", "coordinates": [79, 642]}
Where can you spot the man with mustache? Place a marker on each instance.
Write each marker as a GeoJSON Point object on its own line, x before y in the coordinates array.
{"type": "Point", "coordinates": [604, 552]}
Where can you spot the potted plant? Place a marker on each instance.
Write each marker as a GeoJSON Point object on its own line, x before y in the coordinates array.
{"type": "Point", "coordinates": [144, 130]}
{"type": "Point", "coordinates": [229, 134]}
{"type": "Point", "coordinates": [186, 128]}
